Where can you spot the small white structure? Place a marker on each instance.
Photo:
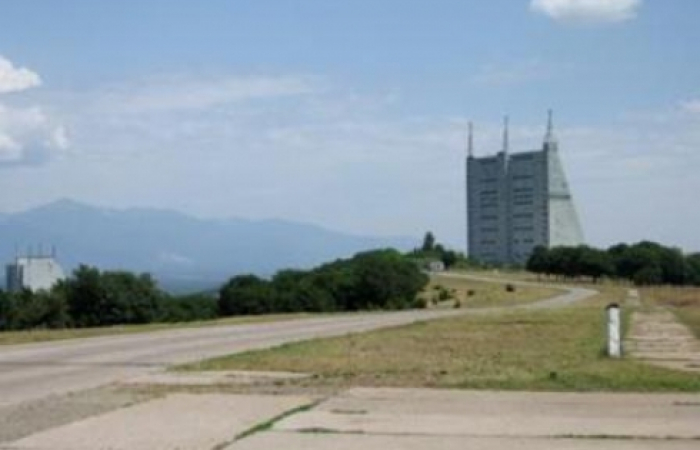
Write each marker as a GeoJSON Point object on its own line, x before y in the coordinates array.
{"type": "Point", "coordinates": [614, 325]}
{"type": "Point", "coordinates": [436, 266]}
{"type": "Point", "coordinates": [33, 273]}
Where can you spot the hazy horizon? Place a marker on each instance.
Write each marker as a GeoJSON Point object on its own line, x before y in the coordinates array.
{"type": "Point", "coordinates": [351, 115]}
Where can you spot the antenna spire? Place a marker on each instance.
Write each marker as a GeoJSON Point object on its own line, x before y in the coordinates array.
{"type": "Point", "coordinates": [549, 140]}
{"type": "Point", "coordinates": [470, 140]}
{"type": "Point", "coordinates": [505, 134]}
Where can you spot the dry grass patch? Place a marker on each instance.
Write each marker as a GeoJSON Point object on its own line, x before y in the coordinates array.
{"type": "Point", "coordinates": [478, 294]}
{"type": "Point", "coordinates": [45, 335]}
{"type": "Point", "coordinates": [544, 350]}
{"type": "Point", "coordinates": [683, 301]}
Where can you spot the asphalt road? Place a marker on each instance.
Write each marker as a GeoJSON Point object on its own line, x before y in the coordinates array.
{"type": "Point", "coordinates": [34, 371]}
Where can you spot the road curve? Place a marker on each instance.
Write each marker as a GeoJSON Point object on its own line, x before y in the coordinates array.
{"type": "Point", "coordinates": [33, 371]}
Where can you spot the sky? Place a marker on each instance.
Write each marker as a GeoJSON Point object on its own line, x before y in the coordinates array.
{"type": "Point", "coordinates": [351, 114]}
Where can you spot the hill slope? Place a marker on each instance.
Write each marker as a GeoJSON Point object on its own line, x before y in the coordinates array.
{"type": "Point", "coordinates": [175, 247]}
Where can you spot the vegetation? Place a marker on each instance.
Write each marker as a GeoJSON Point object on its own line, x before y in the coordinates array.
{"type": "Point", "coordinates": [530, 350]}
{"type": "Point", "coordinates": [380, 279]}
{"type": "Point", "coordinates": [644, 263]}
{"type": "Point", "coordinates": [479, 294]}
{"type": "Point", "coordinates": [91, 298]}
{"type": "Point", "coordinates": [432, 251]}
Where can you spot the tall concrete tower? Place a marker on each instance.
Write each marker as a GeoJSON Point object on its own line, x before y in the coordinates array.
{"type": "Point", "coordinates": [517, 201]}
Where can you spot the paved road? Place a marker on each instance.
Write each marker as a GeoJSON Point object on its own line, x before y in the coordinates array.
{"type": "Point", "coordinates": [34, 371]}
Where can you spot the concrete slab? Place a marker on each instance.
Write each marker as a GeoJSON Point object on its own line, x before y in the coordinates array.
{"type": "Point", "coordinates": [656, 337]}
{"type": "Point", "coordinates": [470, 413]}
{"type": "Point", "coordinates": [309, 441]}
{"type": "Point", "coordinates": [213, 378]}
{"type": "Point", "coordinates": [179, 421]}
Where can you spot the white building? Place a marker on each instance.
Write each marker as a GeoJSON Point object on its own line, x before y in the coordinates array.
{"type": "Point", "coordinates": [33, 273]}
{"type": "Point", "coordinates": [518, 201]}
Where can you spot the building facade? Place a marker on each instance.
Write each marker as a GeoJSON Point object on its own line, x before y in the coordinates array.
{"type": "Point", "coordinates": [34, 273]}
{"type": "Point", "coordinates": [518, 201]}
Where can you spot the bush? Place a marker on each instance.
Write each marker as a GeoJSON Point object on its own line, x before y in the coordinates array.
{"type": "Point", "coordinates": [381, 279]}
{"type": "Point", "coordinates": [26, 310]}
{"type": "Point", "coordinates": [444, 294]}
{"type": "Point", "coordinates": [419, 303]}
{"type": "Point", "coordinates": [246, 294]}
{"type": "Point", "coordinates": [190, 307]}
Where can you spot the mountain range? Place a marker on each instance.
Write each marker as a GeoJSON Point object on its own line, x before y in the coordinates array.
{"type": "Point", "coordinates": [181, 251]}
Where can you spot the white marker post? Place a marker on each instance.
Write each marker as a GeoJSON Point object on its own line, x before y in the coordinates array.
{"type": "Point", "coordinates": [614, 344]}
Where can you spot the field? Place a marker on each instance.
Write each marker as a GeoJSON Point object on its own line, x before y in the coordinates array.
{"type": "Point", "coordinates": [526, 350]}
{"type": "Point", "coordinates": [478, 294]}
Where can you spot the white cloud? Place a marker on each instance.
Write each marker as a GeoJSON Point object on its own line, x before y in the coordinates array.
{"type": "Point", "coordinates": [10, 150]}
{"type": "Point", "coordinates": [587, 11]}
{"type": "Point", "coordinates": [690, 106]}
{"type": "Point", "coordinates": [28, 136]}
{"type": "Point", "coordinates": [14, 79]}
{"type": "Point", "coordinates": [176, 93]}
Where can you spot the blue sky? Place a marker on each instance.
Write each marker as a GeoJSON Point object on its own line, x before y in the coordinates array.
{"type": "Point", "coordinates": [350, 114]}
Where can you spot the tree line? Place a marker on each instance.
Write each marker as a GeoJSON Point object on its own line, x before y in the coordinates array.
{"type": "Point", "coordinates": [90, 298]}
{"type": "Point", "coordinates": [643, 263]}
{"type": "Point", "coordinates": [381, 279]}
{"type": "Point", "coordinates": [431, 251]}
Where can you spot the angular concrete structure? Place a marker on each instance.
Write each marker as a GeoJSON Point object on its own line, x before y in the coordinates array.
{"type": "Point", "coordinates": [34, 273]}
{"type": "Point", "coordinates": [516, 202]}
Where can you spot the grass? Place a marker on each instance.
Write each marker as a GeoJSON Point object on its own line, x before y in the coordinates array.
{"type": "Point", "coordinates": [487, 294]}
{"type": "Point", "coordinates": [559, 350]}
{"type": "Point", "coordinates": [45, 335]}
{"type": "Point", "coordinates": [683, 301]}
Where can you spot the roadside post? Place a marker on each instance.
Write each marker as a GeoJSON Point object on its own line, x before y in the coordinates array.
{"type": "Point", "coordinates": [614, 343]}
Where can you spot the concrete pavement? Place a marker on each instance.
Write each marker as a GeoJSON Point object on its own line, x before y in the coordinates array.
{"type": "Point", "coordinates": [658, 338]}
{"type": "Point", "coordinates": [322, 441]}
{"type": "Point", "coordinates": [410, 419]}
{"type": "Point", "coordinates": [180, 421]}
{"type": "Point", "coordinates": [413, 419]}
{"type": "Point", "coordinates": [515, 414]}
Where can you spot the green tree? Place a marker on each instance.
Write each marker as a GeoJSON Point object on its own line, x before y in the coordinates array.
{"type": "Point", "coordinates": [428, 242]}
{"type": "Point", "coordinates": [386, 279]}
{"type": "Point", "coordinates": [246, 294]}
{"type": "Point", "coordinates": [539, 261]}
{"type": "Point", "coordinates": [190, 307]}
{"type": "Point", "coordinates": [111, 298]}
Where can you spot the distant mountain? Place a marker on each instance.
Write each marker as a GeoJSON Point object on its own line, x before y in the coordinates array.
{"type": "Point", "coordinates": [178, 249]}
